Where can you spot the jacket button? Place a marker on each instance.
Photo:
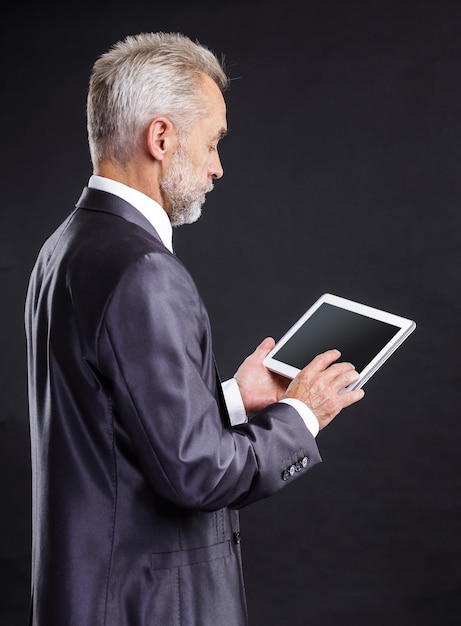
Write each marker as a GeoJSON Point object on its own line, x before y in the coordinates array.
{"type": "Point", "coordinates": [237, 537]}
{"type": "Point", "coordinates": [305, 461]}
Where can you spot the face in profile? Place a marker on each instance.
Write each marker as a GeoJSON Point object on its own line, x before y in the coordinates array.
{"type": "Point", "coordinates": [196, 162]}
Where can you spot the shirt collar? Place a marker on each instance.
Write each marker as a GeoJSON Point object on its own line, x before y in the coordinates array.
{"type": "Point", "coordinates": [151, 210]}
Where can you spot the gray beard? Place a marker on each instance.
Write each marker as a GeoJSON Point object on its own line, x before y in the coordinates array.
{"type": "Point", "coordinates": [185, 199]}
{"type": "Point", "coordinates": [183, 213]}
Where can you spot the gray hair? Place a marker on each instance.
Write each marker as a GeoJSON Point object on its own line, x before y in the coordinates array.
{"type": "Point", "coordinates": [140, 78]}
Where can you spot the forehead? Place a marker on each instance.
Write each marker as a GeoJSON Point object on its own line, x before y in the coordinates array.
{"type": "Point", "coordinates": [215, 106]}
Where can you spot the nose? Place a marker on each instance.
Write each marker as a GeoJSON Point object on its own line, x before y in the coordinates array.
{"type": "Point", "coordinates": [215, 170]}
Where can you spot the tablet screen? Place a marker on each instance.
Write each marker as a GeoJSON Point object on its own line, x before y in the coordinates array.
{"type": "Point", "coordinates": [358, 337]}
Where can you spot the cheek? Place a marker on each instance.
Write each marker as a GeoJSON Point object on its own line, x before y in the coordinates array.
{"type": "Point", "coordinates": [203, 167]}
{"type": "Point", "coordinates": [201, 162]}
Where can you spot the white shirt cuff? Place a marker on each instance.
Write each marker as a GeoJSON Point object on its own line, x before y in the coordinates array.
{"type": "Point", "coordinates": [237, 413]}
{"type": "Point", "coordinates": [304, 411]}
{"type": "Point", "coordinates": [234, 402]}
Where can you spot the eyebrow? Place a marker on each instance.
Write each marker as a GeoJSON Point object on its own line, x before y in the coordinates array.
{"type": "Point", "coordinates": [221, 134]}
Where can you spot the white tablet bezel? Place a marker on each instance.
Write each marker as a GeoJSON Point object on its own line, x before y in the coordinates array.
{"type": "Point", "coordinates": [406, 326]}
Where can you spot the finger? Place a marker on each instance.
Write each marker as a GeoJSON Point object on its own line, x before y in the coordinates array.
{"type": "Point", "coordinates": [331, 381]}
{"type": "Point", "coordinates": [323, 360]}
{"type": "Point", "coordinates": [350, 397]}
{"type": "Point", "coordinates": [266, 345]}
{"type": "Point", "coordinates": [339, 369]}
{"type": "Point", "coordinates": [342, 376]}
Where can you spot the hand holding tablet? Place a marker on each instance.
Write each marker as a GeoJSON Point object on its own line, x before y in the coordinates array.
{"type": "Point", "coordinates": [365, 336]}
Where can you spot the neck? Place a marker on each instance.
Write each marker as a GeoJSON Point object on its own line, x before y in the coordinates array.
{"type": "Point", "coordinates": [134, 176]}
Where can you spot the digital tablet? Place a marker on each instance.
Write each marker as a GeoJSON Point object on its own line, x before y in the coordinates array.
{"type": "Point", "coordinates": [365, 336]}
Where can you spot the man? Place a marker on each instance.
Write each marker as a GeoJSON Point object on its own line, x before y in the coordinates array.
{"type": "Point", "coordinates": [141, 458]}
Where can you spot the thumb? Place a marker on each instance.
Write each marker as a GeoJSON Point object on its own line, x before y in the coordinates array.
{"type": "Point", "coordinates": [266, 345]}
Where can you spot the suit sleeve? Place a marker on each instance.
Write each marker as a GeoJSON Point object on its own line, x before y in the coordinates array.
{"type": "Point", "coordinates": [155, 348]}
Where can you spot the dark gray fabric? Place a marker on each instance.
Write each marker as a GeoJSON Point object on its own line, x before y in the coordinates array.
{"type": "Point", "coordinates": [136, 474]}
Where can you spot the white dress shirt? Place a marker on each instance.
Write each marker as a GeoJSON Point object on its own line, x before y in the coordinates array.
{"type": "Point", "coordinates": [158, 217]}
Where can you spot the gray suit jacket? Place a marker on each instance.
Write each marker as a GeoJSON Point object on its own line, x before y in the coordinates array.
{"type": "Point", "coordinates": [137, 475]}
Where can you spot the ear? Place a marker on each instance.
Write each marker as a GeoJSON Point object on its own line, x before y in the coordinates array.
{"type": "Point", "coordinates": [161, 137]}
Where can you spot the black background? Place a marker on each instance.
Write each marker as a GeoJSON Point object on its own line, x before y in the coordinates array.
{"type": "Point", "coordinates": [341, 175]}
